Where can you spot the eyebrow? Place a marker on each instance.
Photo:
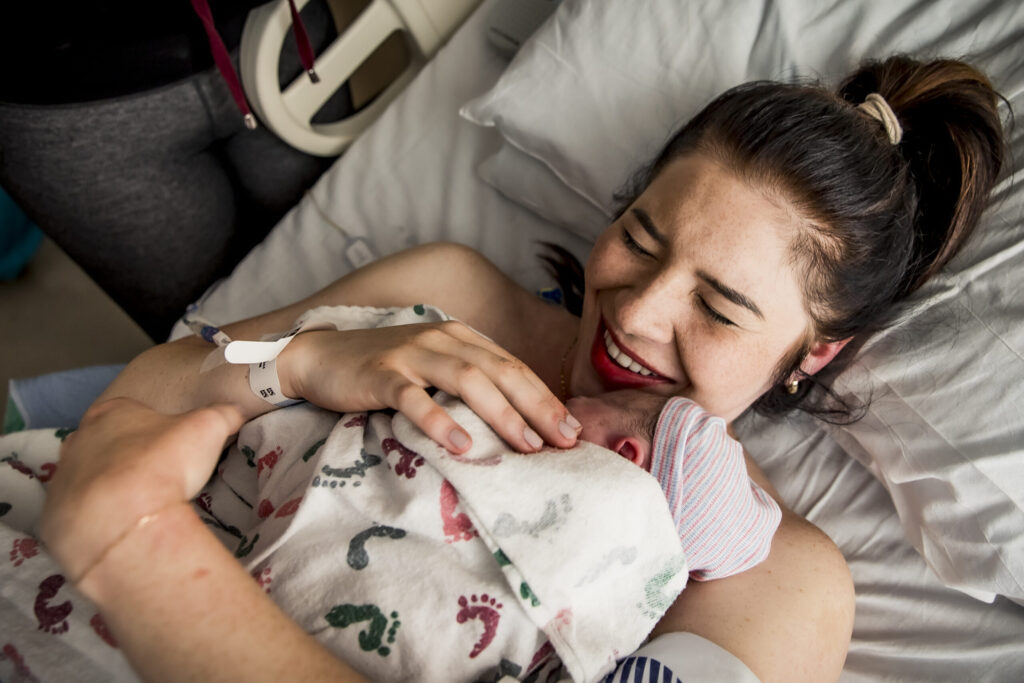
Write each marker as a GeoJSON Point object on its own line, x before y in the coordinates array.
{"type": "Point", "coordinates": [731, 294]}
{"type": "Point", "coordinates": [648, 225]}
{"type": "Point", "coordinates": [728, 292]}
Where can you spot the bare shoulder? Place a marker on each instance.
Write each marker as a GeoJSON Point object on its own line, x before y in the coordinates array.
{"type": "Point", "coordinates": [453, 277]}
{"type": "Point", "coordinates": [789, 618]}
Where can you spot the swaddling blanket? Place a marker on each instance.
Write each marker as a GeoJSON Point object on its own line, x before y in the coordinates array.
{"type": "Point", "coordinates": [406, 561]}
{"type": "Point", "coordinates": [414, 564]}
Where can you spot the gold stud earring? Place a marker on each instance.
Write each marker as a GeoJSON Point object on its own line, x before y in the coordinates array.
{"type": "Point", "coordinates": [793, 387]}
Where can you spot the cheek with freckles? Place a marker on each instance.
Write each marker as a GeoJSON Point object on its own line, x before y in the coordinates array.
{"type": "Point", "coordinates": [727, 381]}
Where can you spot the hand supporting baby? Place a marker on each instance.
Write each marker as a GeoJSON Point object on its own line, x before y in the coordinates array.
{"type": "Point", "coordinates": [125, 462]}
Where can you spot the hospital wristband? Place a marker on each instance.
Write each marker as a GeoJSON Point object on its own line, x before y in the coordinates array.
{"type": "Point", "coordinates": [265, 383]}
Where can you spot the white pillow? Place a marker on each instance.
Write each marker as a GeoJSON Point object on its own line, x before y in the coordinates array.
{"type": "Point", "coordinates": [600, 88]}
{"type": "Point", "coordinates": [528, 182]}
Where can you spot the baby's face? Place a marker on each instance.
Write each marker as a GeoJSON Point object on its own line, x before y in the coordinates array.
{"type": "Point", "coordinates": [621, 421]}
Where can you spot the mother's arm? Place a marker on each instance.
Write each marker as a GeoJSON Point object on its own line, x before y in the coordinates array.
{"type": "Point", "coordinates": [382, 368]}
{"type": "Point", "coordinates": [180, 605]}
{"type": "Point", "coordinates": [789, 618]}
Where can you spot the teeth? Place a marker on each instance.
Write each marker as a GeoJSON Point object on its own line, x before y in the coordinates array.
{"type": "Point", "coordinates": [622, 359]}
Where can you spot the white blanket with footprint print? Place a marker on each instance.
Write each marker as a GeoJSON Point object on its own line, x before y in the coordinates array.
{"type": "Point", "coordinates": [406, 561]}
{"type": "Point", "coordinates": [412, 564]}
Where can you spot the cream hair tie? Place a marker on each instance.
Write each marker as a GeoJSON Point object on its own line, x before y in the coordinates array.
{"type": "Point", "coordinates": [876, 107]}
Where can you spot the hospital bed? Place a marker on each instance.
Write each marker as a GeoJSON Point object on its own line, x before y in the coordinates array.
{"type": "Point", "coordinates": [925, 495]}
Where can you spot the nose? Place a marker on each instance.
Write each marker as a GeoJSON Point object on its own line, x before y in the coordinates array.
{"type": "Point", "coordinates": [649, 310]}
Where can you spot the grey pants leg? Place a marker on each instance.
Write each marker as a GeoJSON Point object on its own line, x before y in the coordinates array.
{"type": "Point", "coordinates": [155, 195]}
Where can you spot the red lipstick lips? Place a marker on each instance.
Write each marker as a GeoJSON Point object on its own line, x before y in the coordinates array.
{"type": "Point", "coordinates": [612, 375]}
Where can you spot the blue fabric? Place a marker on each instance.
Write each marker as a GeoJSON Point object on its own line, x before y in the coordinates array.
{"type": "Point", "coordinates": [60, 398]}
{"type": "Point", "coordinates": [19, 238]}
{"type": "Point", "coordinates": [637, 669]}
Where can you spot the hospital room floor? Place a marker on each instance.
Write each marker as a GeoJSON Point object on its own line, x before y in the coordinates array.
{"type": "Point", "coordinates": [56, 318]}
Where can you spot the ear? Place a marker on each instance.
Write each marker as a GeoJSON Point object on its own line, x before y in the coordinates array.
{"type": "Point", "coordinates": [631, 449]}
{"type": "Point", "coordinates": [820, 355]}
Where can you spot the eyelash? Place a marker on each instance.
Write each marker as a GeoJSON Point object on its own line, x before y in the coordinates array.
{"type": "Point", "coordinates": [633, 245]}
{"type": "Point", "coordinates": [717, 317]}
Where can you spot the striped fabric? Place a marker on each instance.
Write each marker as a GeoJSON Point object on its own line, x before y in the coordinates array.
{"type": "Point", "coordinates": [725, 520]}
{"type": "Point", "coordinates": [641, 670]}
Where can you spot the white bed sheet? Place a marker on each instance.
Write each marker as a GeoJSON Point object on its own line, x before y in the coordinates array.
{"type": "Point", "coordinates": [412, 178]}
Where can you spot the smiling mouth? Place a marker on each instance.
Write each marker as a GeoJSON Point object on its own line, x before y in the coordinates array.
{"type": "Point", "coordinates": [616, 368]}
{"type": "Point", "coordinates": [622, 359]}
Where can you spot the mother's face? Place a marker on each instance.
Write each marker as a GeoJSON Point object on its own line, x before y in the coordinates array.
{"type": "Point", "coordinates": [693, 291]}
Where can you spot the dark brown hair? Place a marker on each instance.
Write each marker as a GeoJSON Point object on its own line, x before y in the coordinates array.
{"type": "Point", "coordinates": [878, 219]}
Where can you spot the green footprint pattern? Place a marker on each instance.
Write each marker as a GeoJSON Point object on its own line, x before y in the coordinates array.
{"type": "Point", "coordinates": [245, 546]}
{"type": "Point", "coordinates": [313, 449]}
{"type": "Point", "coordinates": [336, 476]}
{"type": "Point", "coordinates": [525, 592]}
{"type": "Point", "coordinates": [656, 600]}
{"type": "Point", "coordinates": [370, 638]}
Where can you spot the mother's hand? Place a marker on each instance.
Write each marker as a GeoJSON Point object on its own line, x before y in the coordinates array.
{"type": "Point", "coordinates": [392, 367]}
{"type": "Point", "coordinates": [124, 462]}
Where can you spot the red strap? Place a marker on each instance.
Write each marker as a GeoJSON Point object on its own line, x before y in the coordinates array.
{"type": "Point", "coordinates": [223, 61]}
{"type": "Point", "coordinates": [306, 55]}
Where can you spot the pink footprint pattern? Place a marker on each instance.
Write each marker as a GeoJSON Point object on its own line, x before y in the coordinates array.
{"type": "Point", "coordinates": [561, 621]}
{"type": "Point", "coordinates": [289, 508]}
{"type": "Point", "coordinates": [19, 466]}
{"type": "Point", "coordinates": [46, 471]}
{"type": "Point", "coordinates": [100, 627]}
{"type": "Point", "coordinates": [268, 461]}
{"type": "Point", "coordinates": [264, 509]}
{"type": "Point", "coordinates": [21, 671]}
{"type": "Point", "coordinates": [485, 609]}
{"type": "Point", "coordinates": [541, 656]}
{"type": "Point", "coordinates": [357, 421]}
{"type": "Point", "coordinates": [457, 527]}
{"type": "Point", "coordinates": [52, 618]}
{"type": "Point", "coordinates": [205, 502]}
{"type": "Point", "coordinates": [263, 578]}
{"type": "Point", "coordinates": [409, 461]}
{"type": "Point", "coordinates": [22, 549]}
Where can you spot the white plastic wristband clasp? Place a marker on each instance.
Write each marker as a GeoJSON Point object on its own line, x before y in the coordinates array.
{"type": "Point", "coordinates": [261, 356]}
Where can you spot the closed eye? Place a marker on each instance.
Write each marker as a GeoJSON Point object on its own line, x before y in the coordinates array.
{"type": "Point", "coordinates": [633, 245]}
{"type": "Point", "coordinates": [713, 314]}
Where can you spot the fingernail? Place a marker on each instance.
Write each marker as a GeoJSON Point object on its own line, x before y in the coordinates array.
{"type": "Point", "coordinates": [532, 438]}
{"type": "Point", "coordinates": [458, 438]}
{"type": "Point", "coordinates": [573, 422]}
{"type": "Point", "coordinates": [566, 429]}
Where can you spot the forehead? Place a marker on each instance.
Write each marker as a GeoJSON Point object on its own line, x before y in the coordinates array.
{"type": "Point", "coordinates": [738, 232]}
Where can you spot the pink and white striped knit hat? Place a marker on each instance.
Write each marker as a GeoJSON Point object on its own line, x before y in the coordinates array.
{"type": "Point", "coordinates": [725, 521]}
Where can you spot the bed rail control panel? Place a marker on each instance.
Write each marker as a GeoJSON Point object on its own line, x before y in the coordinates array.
{"type": "Point", "coordinates": [424, 24]}
{"type": "Point", "coordinates": [513, 21]}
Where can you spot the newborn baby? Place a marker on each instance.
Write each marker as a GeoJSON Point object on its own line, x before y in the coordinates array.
{"type": "Point", "coordinates": [725, 521]}
{"type": "Point", "coordinates": [410, 562]}
{"type": "Point", "coordinates": [622, 421]}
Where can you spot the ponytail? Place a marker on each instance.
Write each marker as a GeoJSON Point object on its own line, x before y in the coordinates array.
{"type": "Point", "coordinates": [952, 143]}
